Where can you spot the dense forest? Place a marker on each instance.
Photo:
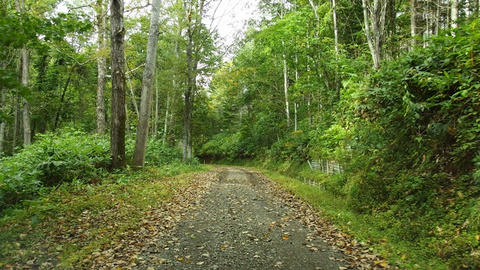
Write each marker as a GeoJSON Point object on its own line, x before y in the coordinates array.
{"type": "Point", "coordinates": [386, 91]}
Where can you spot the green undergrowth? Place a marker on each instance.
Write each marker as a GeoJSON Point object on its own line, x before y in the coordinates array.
{"type": "Point", "coordinates": [374, 228]}
{"type": "Point", "coordinates": [86, 217]}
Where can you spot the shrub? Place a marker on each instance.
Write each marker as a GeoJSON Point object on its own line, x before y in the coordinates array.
{"type": "Point", "coordinates": [51, 160]}
{"type": "Point", "coordinates": [158, 153]}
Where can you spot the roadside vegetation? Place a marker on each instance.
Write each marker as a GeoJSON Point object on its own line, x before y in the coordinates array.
{"type": "Point", "coordinates": [406, 134]}
{"type": "Point", "coordinates": [101, 100]}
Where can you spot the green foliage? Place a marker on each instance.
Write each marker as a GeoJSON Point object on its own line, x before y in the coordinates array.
{"type": "Point", "coordinates": [221, 146]}
{"type": "Point", "coordinates": [67, 156]}
{"type": "Point", "coordinates": [292, 148]}
{"type": "Point", "coordinates": [51, 160]}
{"type": "Point", "coordinates": [158, 153]}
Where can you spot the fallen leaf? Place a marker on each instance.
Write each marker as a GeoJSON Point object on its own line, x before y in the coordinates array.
{"type": "Point", "coordinates": [285, 237]}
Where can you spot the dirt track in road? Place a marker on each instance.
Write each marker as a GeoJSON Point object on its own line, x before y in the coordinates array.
{"type": "Point", "coordinates": [241, 224]}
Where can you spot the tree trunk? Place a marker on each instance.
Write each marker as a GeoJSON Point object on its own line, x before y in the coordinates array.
{"type": "Point", "coordinates": [2, 121]}
{"type": "Point", "coordinates": [117, 138]}
{"type": "Point", "coordinates": [454, 13]}
{"type": "Point", "coordinates": [476, 4]}
{"type": "Point", "coordinates": [155, 120]}
{"type": "Point", "coordinates": [24, 74]}
{"type": "Point", "coordinates": [101, 67]}
{"type": "Point", "coordinates": [132, 95]}
{"type": "Point", "coordinates": [62, 99]}
{"type": "Point", "coordinates": [16, 122]}
{"type": "Point", "coordinates": [374, 20]}
{"type": "Point", "coordinates": [192, 65]}
{"type": "Point", "coordinates": [413, 23]}
{"type": "Point", "coordinates": [437, 17]}
{"type": "Point", "coordinates": [335, 28]}
{"type": "Point", "coordinates": [147, 85]}
{"type": "Point", "coordinates": [165, 123]}
{"type": "Point", "coordinates": [314, 8]}
{"type": "Point", "coordinates": [285, 87]}
{"type": "Point", "coordinates": [27, 132]}
{"type": "Point", "coordinates": [189, 92]}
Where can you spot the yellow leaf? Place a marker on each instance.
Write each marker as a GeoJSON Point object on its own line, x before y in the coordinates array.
{"type": "Point", "coordinates": [180, 259]}
{"type": "Point", "coordinates": [477, 237]}
{"type": "Point", "coordinates": [285, 237]}
{"type": "Point", "coordinates": [223, 246]}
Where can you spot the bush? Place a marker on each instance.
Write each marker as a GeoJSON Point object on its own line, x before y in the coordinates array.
{"type": "Point", "coordinates": [158, 153]}
{"type": "Point", "coordinates": [223, 145]}
{"type": "Point", "coordinates": [51, 160]}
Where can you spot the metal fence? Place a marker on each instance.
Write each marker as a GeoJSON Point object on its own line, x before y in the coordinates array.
{"type": "Point", "coordinates": [326, 166]}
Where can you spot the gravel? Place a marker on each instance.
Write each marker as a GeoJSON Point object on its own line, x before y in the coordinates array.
{"type": "Point", "coordinates": [240, 223]}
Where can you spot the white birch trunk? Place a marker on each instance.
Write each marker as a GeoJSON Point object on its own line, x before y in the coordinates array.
{"type": "Point", "coordinates": [335, 28]}
{"type": "Point", "coordinates": [24, 73]}
{"type": "Point", "coordinates": [101, 67]}
{"type": "Point", "coordinates": [147, 85]}
{"type": "Point", "coordinates": [2, 123]}
{"type": "Point", "coordinates": [285, 88]}
{"type": "Point", "coordinates": [165, 123]}
{"type": "Point", "coordinates": [155, 121]}
{"type": "Point", "coordinates": [454, 13]}
{"type": "Point", "coordinates": [374, 20]}
{"type": "Point", "coordinates": [413, 23]}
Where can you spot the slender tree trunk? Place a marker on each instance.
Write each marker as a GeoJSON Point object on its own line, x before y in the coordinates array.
{"type": "Point", "coordinates": [413, 23]}
{"type": "Point", "coordinates": [314, 8]}
{"type": "Point", "coordinates": [437, 17]}
{"type": "Point", "coordinates": [62, 100]}
{"type": "Point", "coordinates": [189, 92]}
{"type": "Point", "coordinates": [192, 66]}
{"type": "Point", "coordinates": [27, 132]}
{"type": "Point", "coordinates": [132, 95]}
{"type": "Point", "coordinates": [285, 87]}
{"type": "Point", "coordinates": [117, 138]}
{"type": "Point", "coordinates": [16, 122]}
{"type": "Point", "coordinates": [24, 73]}
{"type": "Point", "coordinates": [476, 4]}
{"type": "Point", "coordinates": [2, 121]}
{"type": "Point", "coordinates": [165, 123]}
{"type": "Point", "coordinates": [426, 34]}
{"type": "Point", "coordinates": [101, 67]}
{"type": "Point", "coordinates": [335, 28]}
{"type": "Point", "coordinates": [155, 120]}
{"type": "Point", "coordinates": [454, 13]}
{"type": "Point", "coordinates": [374, 20]}
{"type": "Point", "coordinates": [295, 104]}
{"type": "Point", "coordinates": [147, 85]}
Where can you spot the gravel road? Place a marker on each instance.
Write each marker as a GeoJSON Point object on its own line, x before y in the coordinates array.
{"type": "Point", "coordinates": [241, 224]}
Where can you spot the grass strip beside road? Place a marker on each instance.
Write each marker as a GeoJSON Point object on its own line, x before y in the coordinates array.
{"type": "Point", "coordinates": [365, 227]}
{"type": "Point", "coordinates": [68, 224]}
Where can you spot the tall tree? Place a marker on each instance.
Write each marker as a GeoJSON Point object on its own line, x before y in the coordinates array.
{"type": "Point", "coordinates": [374, 19]}
{"type": "Point", "coordinates": [117, 138]}
{"type": "Point", "coordinates": [2, 120]}
{"type": "Point", "coordinates": [148, 79]}
{"type": "Point", "coordinates": [285, 72]}
{"type": "Point", "coordinates": [335, 27]}
{"type": "Point", "coordinates": [101, 65]}
{"type": "Point", "coordinates": [194, 16]}
{"type": "Point", "coordinates": [24, 74]}
{"type": "Point", "coordinates": [454, 13]}
{"type": "Point", "coordinates": [413, 22]}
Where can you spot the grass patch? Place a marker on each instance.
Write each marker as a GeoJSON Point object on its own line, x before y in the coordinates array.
{"type": "Point", "coordinates": [368, 228]}
{"type": "Point", "coordinates": [77, 219]}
